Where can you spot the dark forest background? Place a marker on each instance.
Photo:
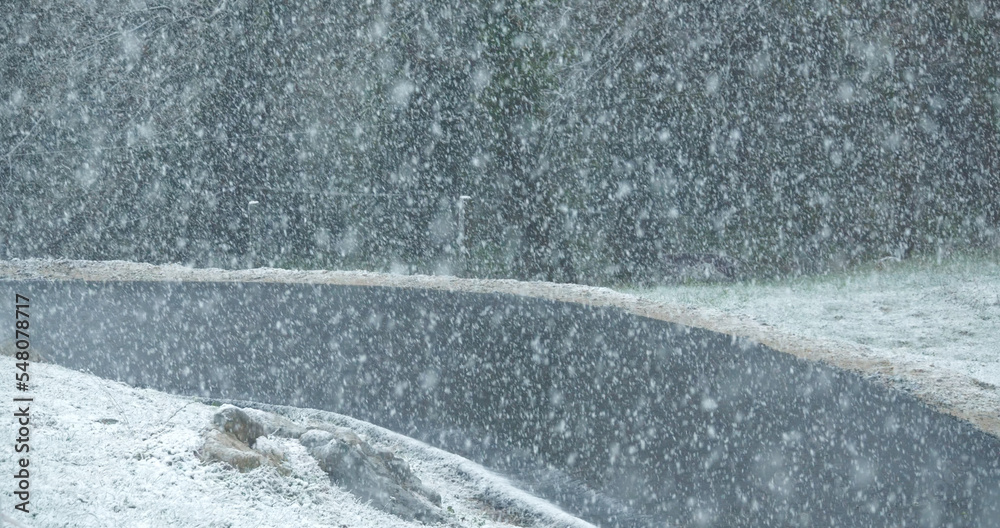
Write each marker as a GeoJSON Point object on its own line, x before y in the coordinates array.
{"type": "Point", "coordinates": [594, 139]}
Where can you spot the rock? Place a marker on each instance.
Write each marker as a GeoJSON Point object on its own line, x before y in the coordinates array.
{"type": "Point", "coordinates": [235, 421]}
{"type": "Point", "coordinates": [231, 439]}
{"type": "Point", "coordinates": [275, 424]}
{"type": "Point", "coordinates": [374, 475]}
{"type": "Point", "coordinates": [250, 424]}
{"type": "Point", "coordinates": [225, 447]}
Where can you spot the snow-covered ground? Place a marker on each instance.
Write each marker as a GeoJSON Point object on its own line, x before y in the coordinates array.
{"type": "Point", "coordinates": [106, 454]}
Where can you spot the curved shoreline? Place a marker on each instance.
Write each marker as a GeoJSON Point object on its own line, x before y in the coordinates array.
{"type": "Point", "coordinates": [949, 392]}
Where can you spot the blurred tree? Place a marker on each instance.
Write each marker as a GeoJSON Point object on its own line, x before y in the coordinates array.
{"type": "Point", "coordinates": [511, 69]}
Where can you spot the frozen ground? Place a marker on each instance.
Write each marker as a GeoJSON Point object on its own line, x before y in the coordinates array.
{"type": "Point", "coordinates": [114, 455]}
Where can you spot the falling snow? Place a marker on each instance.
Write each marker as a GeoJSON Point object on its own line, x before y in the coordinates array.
{"type": "Point", "coordinates": [640, 262]}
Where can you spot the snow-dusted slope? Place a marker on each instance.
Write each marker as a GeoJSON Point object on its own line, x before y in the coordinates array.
{"type": "Point", "coordinates": [106, 454]}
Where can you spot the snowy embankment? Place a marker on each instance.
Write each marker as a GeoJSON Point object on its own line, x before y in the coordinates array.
{"type": "Point", "coordinates": [106, 454]}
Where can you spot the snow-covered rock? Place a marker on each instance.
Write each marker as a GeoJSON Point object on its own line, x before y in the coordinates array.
{"type": "Point", "coordinates": [373, 475]}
